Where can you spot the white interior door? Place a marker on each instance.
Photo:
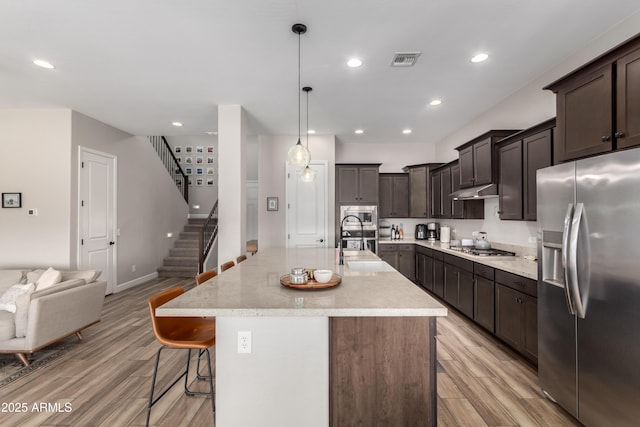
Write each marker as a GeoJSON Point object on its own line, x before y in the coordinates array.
{"type": "Point", "coordinates": [97, 214]}
{"type": "Point", "coordinates": [307, 207]}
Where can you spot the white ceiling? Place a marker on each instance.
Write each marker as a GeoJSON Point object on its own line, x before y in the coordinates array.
{"type": "Point", "coordinates": [139, 65]}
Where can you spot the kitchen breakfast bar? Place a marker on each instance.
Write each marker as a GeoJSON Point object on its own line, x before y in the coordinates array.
{"type": "Point", "coordinates": [358, 354]}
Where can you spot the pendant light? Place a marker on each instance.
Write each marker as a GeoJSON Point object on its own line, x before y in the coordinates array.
{"type": "Point", "coordinates": [308, 174]}
{"type": "Point", "coordinates": [299, 155]}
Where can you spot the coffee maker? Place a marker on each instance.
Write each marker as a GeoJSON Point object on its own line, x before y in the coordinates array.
{"type": "Point", "coordinates": [433, 231]}
{"type": "Point", "coordinates": [421, 231]}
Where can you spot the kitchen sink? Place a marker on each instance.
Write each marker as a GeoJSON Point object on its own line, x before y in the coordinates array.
{"type": "Point", "coordinates": [369, 266]}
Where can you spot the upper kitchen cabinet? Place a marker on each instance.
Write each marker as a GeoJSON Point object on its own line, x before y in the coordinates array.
{"type": "Point", "coordinates": [519, 157]}
{"type": "Point", "coordinates": [444, 181]}
{"type": "Point", "coordinates": [598, 105]}
{"type": "Point", "coordinates": [357, 183]}
{"type": "Point", "coordinates": [478, 159]}
{"type": "Point", "coordinates": [394, 195]}
{"type": "Point", "coordinates": [420, 185]}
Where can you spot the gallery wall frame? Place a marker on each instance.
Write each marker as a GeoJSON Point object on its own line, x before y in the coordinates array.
{"type": "Point", "coordinates": [272, 203]}
{"type": "Point", "coordinates": [11, 200]}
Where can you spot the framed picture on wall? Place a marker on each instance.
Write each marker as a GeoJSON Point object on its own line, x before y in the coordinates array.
{"type": "Point", "coordinates": [188, 171]}
{"type": "Point", "coordinates": [272, 203]}
{"type": "Point", "coordinates": [210, 160]}
{"type": "Point", "coordinates": [188, 160]}
{"type": "Point", "coordinates": [188, 149]}
{"type": "Point", "coordinates": [199, 182]}
{"type": "Point", "coordinates": [210, 149]}
{"type": "Point", "coordinates": [177, 149]}
{"type": "Point", "coordinates": [199, 160]}
{"type": "Point", "coordinates": [199, 171]}
{"type": "Point", "coordinates": [11, 200]}
{"type": "Point", "coordinates": [209, 171]}
{"type": "Point", "coordinates": [179, 159]}
{"type": "Point", "coordinates": [199, 149]}
{"type": "Point", "coordinates": [209, 182]}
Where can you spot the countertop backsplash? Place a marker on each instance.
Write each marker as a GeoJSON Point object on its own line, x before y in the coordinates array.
{"type": "Point", "coordinates": [520, 235]}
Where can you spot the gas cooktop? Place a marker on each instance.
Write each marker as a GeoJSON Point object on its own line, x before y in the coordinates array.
{"type": "Point", "coordinates": [482, 252]}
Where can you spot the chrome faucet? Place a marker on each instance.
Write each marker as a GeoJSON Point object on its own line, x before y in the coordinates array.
{"type": "Point", "coordinates": [341, 234]}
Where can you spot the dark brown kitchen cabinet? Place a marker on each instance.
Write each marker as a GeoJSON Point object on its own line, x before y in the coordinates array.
{"type": "Point", "coordinates": [357, 183]}
{"type": "Point", "coordinates": [597, 105]}
{"type": "Point", "coordinates": [401, 257]}
{"type": "Point", "coordinates": [519, 157]}
{"type": "Point", "coordinates": [510, 187]}
{"type": "Point", "coordinates": [444, 181]}
{"type": "Point", "coordinates": [394, 195]}
{"type": "Point", "coordinates": [438, 273]}
{"type": "Point", "coordinates": [458, 283]}
{"type": "Point", "coordinates": [424, 267]}
{"type": "Point", "coordinates": [628, 100]}
{"type": "Point", "coordinates": [516, 313]}
{"type": "Point", "coordinates": [483, 297]}
{"type": "Point", "coordinates": [477, 159]}
{"type": "Point", "coordinates": [420, 187]}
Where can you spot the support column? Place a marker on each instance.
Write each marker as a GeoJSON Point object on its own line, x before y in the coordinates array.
{"type": "Point", "coordinates": [232, 200]}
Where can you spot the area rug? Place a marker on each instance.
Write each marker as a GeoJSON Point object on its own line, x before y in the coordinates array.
{"type": "Point", "coordinates": [11, 368]}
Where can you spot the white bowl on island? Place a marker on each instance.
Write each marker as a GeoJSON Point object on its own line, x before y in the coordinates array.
{"type": "Point", "coordinates": [322, 276]}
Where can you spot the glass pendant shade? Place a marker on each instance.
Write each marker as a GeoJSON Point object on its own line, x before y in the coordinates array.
{"type": "Point", "coordinates": [298, 155]}
{"type": "Point", "coordinates": [308, 174]}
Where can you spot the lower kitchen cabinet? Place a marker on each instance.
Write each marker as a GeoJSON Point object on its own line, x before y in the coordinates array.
{"type": "Point", "coordinates": [484, 303]}
{"type": "Point", "coordinates": [438, 273]}
{"type": "Point", "coordinates": [458, 283]}
{"type": "Point", "coordinates": [401, 257]}
{"type": "Point", "coordinates": [517, 320]}
{"type": "Point", "coordinates": [424, 268]}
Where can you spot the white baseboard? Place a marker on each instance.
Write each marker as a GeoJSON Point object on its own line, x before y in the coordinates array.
{"type": "Point", "coordinates": [135, 282]}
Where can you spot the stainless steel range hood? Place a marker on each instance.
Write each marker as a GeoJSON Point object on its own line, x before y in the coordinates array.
{"type": "Point", "coordinates": [473, 193]}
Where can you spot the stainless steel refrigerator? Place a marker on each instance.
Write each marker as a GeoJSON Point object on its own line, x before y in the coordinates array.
{"type": "Point", "coordinates": [589, 287]}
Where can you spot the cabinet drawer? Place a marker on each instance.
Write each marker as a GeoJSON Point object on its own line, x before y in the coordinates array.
{"type": "Point", "coordinates": [462, 263]}
{"type": "Point", "coordinates": [424, 251]}
{"type": "Point", "coordinates": [388, 248]}
{"type": "Point", "coordinates": [519, 283]}
{"type": "Point", "coordinates": [437, 255]}
{"type": "Point", "coordinates": [406, 248]}
{"type": "Point", "coordinates": [483, 271]}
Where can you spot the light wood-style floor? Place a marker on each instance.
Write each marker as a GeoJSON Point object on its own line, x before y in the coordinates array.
{"type": "Point", "coordinates": [106, 378]}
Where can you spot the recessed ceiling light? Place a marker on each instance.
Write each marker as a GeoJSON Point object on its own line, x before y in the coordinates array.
{"type": "Point", "coordinates": [359, 131]}
{"type": "Point", "coordinates": [354, 62]}
{"type": "Point", "coordinates": [310, 131]}
{"type": "Point", "coordinates": [44, 64]}
{"type": "Point", "coordinates": [436, 102]}
{"type": "Point", "coordinates": [480, 57]}
{"type": "Point", "coordinates": [406, 131]}
{"type": "Point", "coordinates": [177, 124]}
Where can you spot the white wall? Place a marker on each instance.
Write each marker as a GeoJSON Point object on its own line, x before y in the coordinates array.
{"type": "Point", "coordinates": [201, 198]}
{"type": "Point", "coordinates": [393, 156]}
{"type": "Point", "coordinates": [35, 159]}
{"type": "Point", "coordinates": [149, 206]}
{"type": "Point", "coordinates": [271, 173]}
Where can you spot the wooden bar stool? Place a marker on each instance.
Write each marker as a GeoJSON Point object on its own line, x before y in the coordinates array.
{"type": "Point", "coordinates": [227, 265]}
{"type": "Point", "coordinates": [240, 259]}
{"type": "Point", "coordinates": [191, 333]}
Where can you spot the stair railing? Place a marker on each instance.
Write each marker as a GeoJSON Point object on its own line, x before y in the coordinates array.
{"type": "Point", "coordinates": [171, 163]}
{"type": "Point", "coordinates": [208, 235]}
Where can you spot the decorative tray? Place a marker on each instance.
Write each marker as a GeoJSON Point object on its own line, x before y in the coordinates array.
{"type": "Point", "coordinates": [311, 284]}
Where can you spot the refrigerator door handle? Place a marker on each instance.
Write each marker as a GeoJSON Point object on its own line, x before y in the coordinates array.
{"type": "Point", "coordinates": [573, 260]}
{"type": "Point", "coordinates": [566, 234]}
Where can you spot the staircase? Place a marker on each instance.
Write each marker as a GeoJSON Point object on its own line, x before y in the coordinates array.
{"type": "Point", "coordinates": [183, 258]}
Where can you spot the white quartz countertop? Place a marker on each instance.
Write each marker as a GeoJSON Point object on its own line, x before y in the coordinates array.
{"type": "Point", "coordinates": [516, 265]}
{"type": "Point", "coordinates": [252, 288]}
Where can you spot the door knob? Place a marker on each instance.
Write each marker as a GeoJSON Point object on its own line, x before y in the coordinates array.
{"type": "Point", "coordinates": [619, 135]}
{"type": "Point", "coordinates": [112, 243]}
{"type": "Point", "coordinates": [321, 240]}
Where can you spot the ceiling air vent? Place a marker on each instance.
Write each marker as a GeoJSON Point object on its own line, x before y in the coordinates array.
{"type": "Point", "coordinates": [404, 59]}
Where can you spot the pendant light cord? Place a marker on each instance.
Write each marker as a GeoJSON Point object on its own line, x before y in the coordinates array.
{"type": "Point", "coordinates": [307, 118]}
{"type": "Point", "coordinates": [298, 87]}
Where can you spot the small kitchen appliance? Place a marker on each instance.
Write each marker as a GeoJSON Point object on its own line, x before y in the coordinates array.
{"type": "Point", "coordinates": [445, 234]}
{"type": "Point", "coordinates": [421, 231]}
{"type": "Point", "coordinates": [433, 231]}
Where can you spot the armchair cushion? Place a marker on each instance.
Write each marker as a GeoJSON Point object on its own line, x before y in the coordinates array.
{"type": "Point", "coordinates": [48, 279]}
{"type": "Point", "coordinates": [8, 298]}
{"type": "Point", "coordinates": [9, 278]}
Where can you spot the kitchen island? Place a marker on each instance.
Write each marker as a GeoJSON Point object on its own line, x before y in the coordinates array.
{"type": "Point", "coordinates": [361, 353]}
